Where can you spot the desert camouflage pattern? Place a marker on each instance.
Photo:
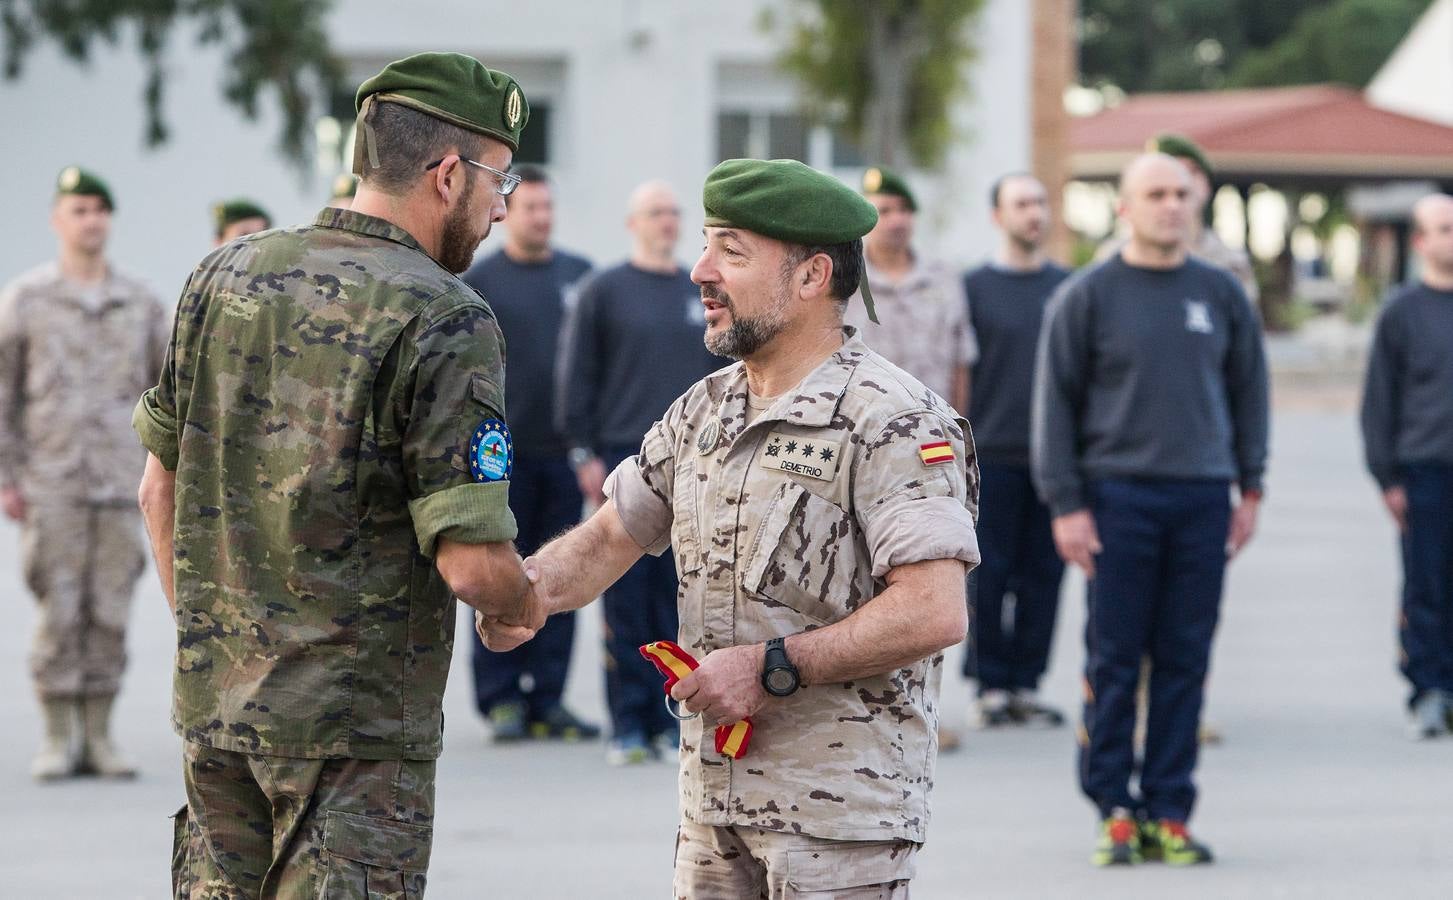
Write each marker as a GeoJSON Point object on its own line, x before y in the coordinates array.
{"type": "Point", "coordinates": [81, 562]}
{"type": "Point", "coordinates": [924, 324]}
{"type": "Point", "coordinates": [343, 829]}
{"type": "Point", "coordinates": [72, 363]}
{"type": "Point", "coordinates": [317, 404]}
{"type": "Point", "coordinates": [791, 523]}
{"type": "Point", "coordinates": [735, 862]}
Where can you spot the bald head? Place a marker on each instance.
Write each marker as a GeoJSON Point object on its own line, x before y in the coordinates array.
{"type": "Point", "coordinates": [1433, 235]}
{"type": "Point", "coordinates": [1155, 201]}
{"type": "Point", "coordinates": [654, 219]}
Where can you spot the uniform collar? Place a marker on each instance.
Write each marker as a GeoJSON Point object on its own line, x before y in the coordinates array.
{"type": "Point", "coordinates": [358, 223]}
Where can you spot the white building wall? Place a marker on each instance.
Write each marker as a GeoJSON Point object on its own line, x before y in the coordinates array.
{"type": "Point", "coordinates": [1418, 78]}
{"type": "Point", "coordinates": [635, 87]}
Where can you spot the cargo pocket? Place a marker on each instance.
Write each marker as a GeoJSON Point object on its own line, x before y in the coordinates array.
{"type": "Point", "coordinates": [870, 871]}
{"type": "Point", "coordinates": [374, 859]}
{"type": "Point", "coordinates": [804, 557]}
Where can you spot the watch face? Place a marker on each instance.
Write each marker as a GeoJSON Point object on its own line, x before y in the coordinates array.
{"type": "Point", "coordinates": [781, 681]}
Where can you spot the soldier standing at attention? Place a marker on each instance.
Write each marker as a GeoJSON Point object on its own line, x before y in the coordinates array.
{"type": "Point", "coordinates": [632, 345]}
{"type": "Point", "coordinates": [237, 217]}
{"type": "Point", "coordinates": [78, 339]}
{"type": "Point", "coordinates": [329, 467]}
{"type": "Point", "coordinates": [526, 284]}
{"type": "Point", "coordinates": [1150, 403]}
{"type": "Point", "coordinates": [1006, 299]}
{"type": "Point", "coordinates": [1407, 430]}
{"type": "Point", "coordinates": [925, 329]}
{"type": "Point", "coordinates": [820, 505]}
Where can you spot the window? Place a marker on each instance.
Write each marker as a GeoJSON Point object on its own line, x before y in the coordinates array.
{"type": "Point", "coordinates": [761, 135]}
{"type": "Point", "coordinates": [535, 139]}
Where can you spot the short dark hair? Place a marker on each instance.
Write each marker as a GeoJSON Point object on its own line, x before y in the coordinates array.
{"type": "Point", "coordinates": [407, 141]}
{"type": "Point", "coordinates": [998, 186]}
{"type": "Point", "coordinates": [847, 265]}
{"type": "Point", "coordinates": [529, 173]}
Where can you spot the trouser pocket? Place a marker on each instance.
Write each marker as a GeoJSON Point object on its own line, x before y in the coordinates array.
{"type": "Point", "coordinates": [374, 859]}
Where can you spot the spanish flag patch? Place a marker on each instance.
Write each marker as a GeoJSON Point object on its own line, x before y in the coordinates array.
{"type": "Point", "coordinates": [935, 454]}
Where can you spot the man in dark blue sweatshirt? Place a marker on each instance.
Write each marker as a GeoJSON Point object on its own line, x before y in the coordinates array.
{"type": "Point", "coordinates": [1150, 402]}
{"type": "Point", "coordinates": [633, 345]}
{"type": "Point", "coordinates": [1007, 298]}
{"type": "Point", "coordinates": [526, 284]}
{"type": "Point", "coordinates": [1407, 429]}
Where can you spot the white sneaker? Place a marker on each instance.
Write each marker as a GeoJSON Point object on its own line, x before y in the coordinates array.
{"type": "Point", "coordinates": [991, 710]}
{"type": "Point", "coordinates": [1429, 717]}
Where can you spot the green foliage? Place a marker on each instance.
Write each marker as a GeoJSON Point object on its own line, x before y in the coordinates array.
{"type": "Point", "coordinates": [277, 46]}
{"type": "Point", "coordinates": [901, 58]}
{"type": "Point", "coordinates": [1187, 45]}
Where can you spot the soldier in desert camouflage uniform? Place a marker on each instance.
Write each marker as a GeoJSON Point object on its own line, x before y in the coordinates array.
{"type": "Point", "coordinates": [328, 463]}
{"type": "Point", "coordinates": [78, 341]}
{"type": "Point", "coordinates": [813, 493]}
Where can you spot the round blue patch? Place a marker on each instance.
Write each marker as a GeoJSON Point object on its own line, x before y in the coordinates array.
{"type": "Point", "coordinates": [491, 452]}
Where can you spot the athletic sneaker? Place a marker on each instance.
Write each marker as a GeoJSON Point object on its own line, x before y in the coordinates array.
{"type": "Point", "coordinates": [630, 750]}
{"type": "Point", "coordinates": [1025, 708]}
{"type": "Point", "coordinates": [1176, 847]}
{"type": "Point", "coordinates": [560, 723]}
{"type": "Point", "coordinates": [1119, 841]}
{"type": "Point", "coordinates": [1429, 716]}
{"type": "Point", "coordinates": [991, 710]}
{"type": "Point", "coordinates": [507, 723]}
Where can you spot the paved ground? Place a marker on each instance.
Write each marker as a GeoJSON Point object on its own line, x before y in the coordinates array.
{"type": "Point", "coordinates": [1314, 794]}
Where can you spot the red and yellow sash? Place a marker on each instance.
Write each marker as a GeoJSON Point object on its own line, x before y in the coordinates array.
{"type": "Point", "coordinates": [675, 663]}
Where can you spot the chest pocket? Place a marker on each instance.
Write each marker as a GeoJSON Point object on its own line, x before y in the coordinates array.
{"type": "Point", "coordinates": [804, 556]}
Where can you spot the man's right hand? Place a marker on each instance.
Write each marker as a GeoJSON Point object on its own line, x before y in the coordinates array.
{"type": "Point", "coordinates": [501, 633]}
{"type": "Point", "coordinates": [1395, 498]}
{"type": "Point", "coordinates": [1076, 540]}
{"type": "Point", "coordinates": [590, 475]}
{"type": "Point", "coordinates": [13, 503]}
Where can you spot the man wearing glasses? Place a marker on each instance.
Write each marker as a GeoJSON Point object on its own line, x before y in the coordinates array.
{"type": "Point", "coordinates": [328, 468]}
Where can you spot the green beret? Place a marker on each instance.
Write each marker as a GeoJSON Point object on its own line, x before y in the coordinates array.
{"type": "Point", "coordinates": [1181, 147]}
{"type": "Point", "coordinates": [786, 200]}
{"type": "Point", "coordinates": [882, 181]}
{"type": "Point", "coordinates": [229, 211]}
{"type": "Point", "coordinates": [789, 201]}
{"type": "Point", "coordinates": [75, 180]}
{"type": "Point", "coordinates": [455, 88]}
{"type": "Point", "coordinates": [345, 185]}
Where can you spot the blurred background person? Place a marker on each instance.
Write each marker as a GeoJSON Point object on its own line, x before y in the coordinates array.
{"type": "Point", "coordinates": [234, 218]}
{"type": "Point", "coordinates": [345, 188]}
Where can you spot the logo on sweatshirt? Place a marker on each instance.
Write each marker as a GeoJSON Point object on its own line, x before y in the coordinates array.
{"type": "Point", "coordinates": [1198, 317]}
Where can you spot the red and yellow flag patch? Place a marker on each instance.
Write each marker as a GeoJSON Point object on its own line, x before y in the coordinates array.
{"type": "Point", "coordinates": [936, 453]}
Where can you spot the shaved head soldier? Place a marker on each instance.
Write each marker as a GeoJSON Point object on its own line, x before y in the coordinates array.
{"type": "Point", "coordinates": [1150, 404]}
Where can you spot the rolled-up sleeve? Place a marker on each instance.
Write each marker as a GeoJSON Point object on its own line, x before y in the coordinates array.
{"type": "Point", "coordinates": [454, 378]}
{"type": "Point", "coordinates": [643, 487]}
{"type": "Point", "coordinates": [916, 502]}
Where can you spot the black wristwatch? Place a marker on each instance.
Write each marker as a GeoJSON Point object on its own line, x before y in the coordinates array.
{"type": "Point", "coordinates": [779, 676]}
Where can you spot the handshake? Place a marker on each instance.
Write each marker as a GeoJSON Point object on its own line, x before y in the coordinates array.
{"type": "Point", "coordinates": [507, 630]}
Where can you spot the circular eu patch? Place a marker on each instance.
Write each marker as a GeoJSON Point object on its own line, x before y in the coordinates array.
{"type": "Point", "coordinates": [491, 452]}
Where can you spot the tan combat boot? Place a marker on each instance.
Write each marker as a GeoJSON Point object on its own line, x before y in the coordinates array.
{"type": "Point", "coordinates": [98, 755]}
{"type": "Point", "coordinates": [55, 760]}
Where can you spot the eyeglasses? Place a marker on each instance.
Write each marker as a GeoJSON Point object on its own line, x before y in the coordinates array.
{"type": "Point", "coordinates": [507, 182]}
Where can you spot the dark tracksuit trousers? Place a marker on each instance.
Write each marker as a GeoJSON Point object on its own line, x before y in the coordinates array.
{"type": "Point", "coordinates": [1019, 560]}
{"type": "Point", "coordinates": [1426, 627]}
{"type": "Point", "coordinates": [639, 608]}
{"type": "Point", "coordinates": [1156, 594]}
{"type": "Point", "coordinates": [545, 500]}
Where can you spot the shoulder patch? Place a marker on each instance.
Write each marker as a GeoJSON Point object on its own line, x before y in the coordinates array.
{"type": "Point", "coordinates": [937, 453]}
{"type": "Point", "coordinates": [491, 452]}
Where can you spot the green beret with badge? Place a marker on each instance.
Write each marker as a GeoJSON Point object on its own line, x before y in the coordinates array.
{"type": "Point", "coordinates": [452, 87]}
{"type": "Point", "coordinates": [1181, 147]}
{"type": "Point", "coordinates": [878, 180]}
{"type": "Point", "coordinates": [76, 180]}
{"type": "Point", "coordinates": [230, 211]}
{"type": "Point", "coordinates": [345, 187]}
{"type": "Point", "coordinates": [789, 201]}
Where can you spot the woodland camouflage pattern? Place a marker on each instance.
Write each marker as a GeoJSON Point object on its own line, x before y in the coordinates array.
{"type": "Point", "coordinates": [317, 405]}
{"type": "Point", "coordinates": [788, 524]}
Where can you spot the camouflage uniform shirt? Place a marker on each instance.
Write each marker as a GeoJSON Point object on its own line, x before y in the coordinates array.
{"type": "Point", "coordinates": [71, 364]}
{"type": "Point", "coordinates": [317, 403]}
{"type": "Point", "coordinates": [788, 524]}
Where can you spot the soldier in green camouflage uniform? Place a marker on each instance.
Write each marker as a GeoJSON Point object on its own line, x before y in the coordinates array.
{"type": "Point", "coordinates": [815, 493]}
{"type": "Point", "coordinates": [328, 462]}
{"type": "Point", "coordinates": [78, 341]}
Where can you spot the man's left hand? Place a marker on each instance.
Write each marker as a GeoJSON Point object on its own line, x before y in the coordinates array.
{"type": "Point", "coordinates": [726, 687]}
{"type": "Point", "coordinates": [1243, 525]}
